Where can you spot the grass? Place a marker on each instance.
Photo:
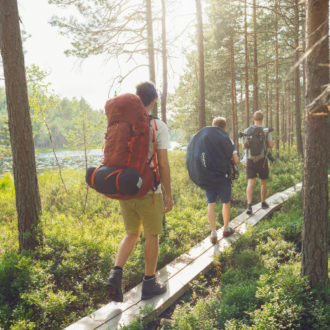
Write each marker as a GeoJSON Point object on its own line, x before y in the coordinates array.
{"type": "Point", "coordinates": [63, 281]}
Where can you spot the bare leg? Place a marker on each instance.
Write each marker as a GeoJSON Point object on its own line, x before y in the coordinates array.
{"type": "Point", "coordinates": [212, 216]}
{"type": "Point", "coordinates": [126, 247]}
{"type": "Point", "coordinates": [226, 213]}
{"type": "Point", "coordinates": [249, 190]}
{"type": "Point", "coordinates": [263, 190]}
{"type": "Point", "coordinates": [151, 254]}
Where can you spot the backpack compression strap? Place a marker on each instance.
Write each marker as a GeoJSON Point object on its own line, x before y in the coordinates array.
{"type": "Point", "coordinates": [93, 176]}
{"type": "Point", "coordinates": [117, 178]}
{"type": "Point", "coordinates": [154, 160]}
{"type": "Point", "coordinates": [154, 156]}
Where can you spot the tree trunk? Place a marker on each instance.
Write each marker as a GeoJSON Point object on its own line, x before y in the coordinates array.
{"type": "Point", "coordinates": [315, 225]}
{"type": "Point", "coordinates": [292, 115]}
{"type": "Point", "coordinates": [246, 67]}
{"type": "Point", "coordinates": [151, 51]}
{"type": "Point", "coordinates": [233, 89]}
{"type": "Point", "coordinates": [283, 119]}
{"type": "Point", "coordinates": [303, 45]}
{"type": "Point", "coordinates": [297, 83]}
{"type": "Point", "coordinates": [277, 100]}
{"type": "Point", "coordinates": [289, 117]}
{"type": "Point", "coordinates": [24, 166]}
{"type": "Point", "coordinates": [164, 56]}
{"type": "Point", "coordinates": [255, 60]}
{"type": "Point", "coordinates": [271, 105]}
{"type": "Point", "coordinates": [201, 79]}
{"type": "Point", "coordinates": [266, 95]}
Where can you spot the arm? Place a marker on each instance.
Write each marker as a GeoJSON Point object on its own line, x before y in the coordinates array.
{"type": "Point", "coordinates": [245, 143]}
{"type": "Point", "coordinates": [165, 177]}
{"type": "Point", "coordinates": [235, 158]}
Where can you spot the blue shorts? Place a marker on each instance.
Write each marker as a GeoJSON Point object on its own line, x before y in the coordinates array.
{"type": "Point", "coordinates": [223, 192]}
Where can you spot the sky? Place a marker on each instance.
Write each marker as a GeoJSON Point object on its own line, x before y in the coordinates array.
{"type": "Point", "coordinates": [71, 77]}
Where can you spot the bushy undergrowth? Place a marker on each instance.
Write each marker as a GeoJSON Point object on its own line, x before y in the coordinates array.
{"type": "Point", "coordinates": [260, 283]}
{"type": "Point", "coordinates": [63, 280]}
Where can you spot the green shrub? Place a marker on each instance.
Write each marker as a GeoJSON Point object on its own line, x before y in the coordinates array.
{"type": "Point", "coordinates": [276, 251]}
{"type": "Point", "coordinates": [212, 313]}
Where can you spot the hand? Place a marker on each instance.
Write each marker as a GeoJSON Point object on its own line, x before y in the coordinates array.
{"type": "Point", "coordinates": [246, 144]}
{"type": "Point", "coordinates": [168, 203]}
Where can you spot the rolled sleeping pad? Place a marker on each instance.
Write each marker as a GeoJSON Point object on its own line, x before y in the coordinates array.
{"type": "Point", "coordinates": [129, 180]}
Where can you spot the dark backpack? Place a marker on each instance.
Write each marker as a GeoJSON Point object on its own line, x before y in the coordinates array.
{"type": "Point", "coordinates": [209, 155]}
{"type": "Point", "coordinates": [126, 147]}
{"type": "Point", "coordinates": [111, 180]}
{"type": "Point", "coordinates": [256, 142]}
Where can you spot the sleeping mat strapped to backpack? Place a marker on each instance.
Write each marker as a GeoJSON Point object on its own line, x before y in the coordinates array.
{"type": "Point", "coordinates": [111, 180]}
{"type": "Point", "coordinates": [208, 158]}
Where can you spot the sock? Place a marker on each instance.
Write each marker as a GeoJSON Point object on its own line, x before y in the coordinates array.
{"type": "Point", "coordinates": [149, 277]}
{"type": "Point", "coordinates": [249, 206]}
{"type": "Point", "coordinates": [213, 234]}
{"type": "Point", "coordinates": [117, 267]}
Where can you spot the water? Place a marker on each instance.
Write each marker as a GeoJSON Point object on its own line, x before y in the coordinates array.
{"type": "Point", "coordinates": [71, 159]}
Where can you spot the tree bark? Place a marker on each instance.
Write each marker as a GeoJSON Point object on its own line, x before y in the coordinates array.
{"type": "Point", "coordinates": [255, 60]}
{"type": "Point", "coordinates": [303, 45]}
{"type": "Point", "coordinates": [28, 203]}
{"type": "Point", "coordinates": [315, 225]}
{"type": "Point", "coordinates": [282, 134]}
{"type": "Point", "coordinates": [201, 78]}
{"type": "Point", "coordinates": [277, 97]}
{"type": "Point", "coordinates": [151, 51]}
{"type": "Point", "coordinates": [266, 95]}
{"type": "Point", "coordinates": [289, 117]}
{"type": "Point", "coordinates": [297, 83]}
{"type": "Point", "coordinates": [233, 89]}
{"type": "Point", "coordinates": [271, 105]}
{"type": "Point", "coordinates": [164, 57]}
{"type": "Point", "coordinates": [246, 67]}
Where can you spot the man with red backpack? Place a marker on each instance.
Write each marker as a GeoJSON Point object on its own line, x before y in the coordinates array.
{"type": "Point", "coordinates": [146, 211]}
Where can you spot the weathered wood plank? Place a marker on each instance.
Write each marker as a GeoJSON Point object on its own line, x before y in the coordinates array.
{"type": "Point", "coordinates": [177, 274]}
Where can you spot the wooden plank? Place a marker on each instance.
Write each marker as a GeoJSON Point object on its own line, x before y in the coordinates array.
{"type": "Point", "coordinates": [177, 274]}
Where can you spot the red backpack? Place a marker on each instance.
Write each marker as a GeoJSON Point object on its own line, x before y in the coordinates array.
{"type": "Point", "coordinates": [127, 143]}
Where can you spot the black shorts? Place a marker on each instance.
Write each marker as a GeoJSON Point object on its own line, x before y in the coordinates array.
{"type": "Point", "coordinates": [260, 167]}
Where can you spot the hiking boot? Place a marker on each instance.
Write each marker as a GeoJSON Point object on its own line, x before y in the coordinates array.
{"type": "Point", "coordinates": [228, 232]}
{"type": "Point", "coordinates": [113, 286]}
{"type": "Point", "coordinates": [264, 205]}
{"type": "Point", "coordinates": [214, 237]}
{"type": "Point", "coordinates": [249, 209]}
{"type": "Point", "coordinates": [151, 288]}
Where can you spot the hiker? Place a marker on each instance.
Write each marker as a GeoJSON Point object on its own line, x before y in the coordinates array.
{"type": "Point", "coordinates": [223, 191]}
{"type": "Point", "coordinates": [257, 140]}
{"type": "Point", "coordinates": [146, 212]}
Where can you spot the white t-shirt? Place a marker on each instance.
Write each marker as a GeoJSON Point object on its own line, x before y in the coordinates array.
{"type": "Point", "coordinates": [235, 151]}
{"type": "Point", "coordinates": [161, 140]}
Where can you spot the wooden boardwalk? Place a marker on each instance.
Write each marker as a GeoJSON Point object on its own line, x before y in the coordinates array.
{"type": "Point", "coordinates": [178, 274]}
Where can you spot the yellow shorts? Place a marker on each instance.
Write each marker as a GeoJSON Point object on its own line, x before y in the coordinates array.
{"type": "Point", "coordinates": [144, 212]}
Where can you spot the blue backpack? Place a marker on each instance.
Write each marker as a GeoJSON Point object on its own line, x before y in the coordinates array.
{"type": "Point", "coordinates": [209, 155]}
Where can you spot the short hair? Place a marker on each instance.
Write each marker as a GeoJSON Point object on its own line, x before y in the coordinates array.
{"type": "Point", "coordinates": [258, 116]}
{"type": "Point", "coordinates": [220, 122]}
{"type": "Point", "coordinates": [147, 92]}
